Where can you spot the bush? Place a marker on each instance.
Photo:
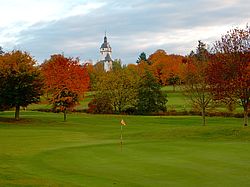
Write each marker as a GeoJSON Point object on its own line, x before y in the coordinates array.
{"type": "Point", "coordinates": [100, 105]}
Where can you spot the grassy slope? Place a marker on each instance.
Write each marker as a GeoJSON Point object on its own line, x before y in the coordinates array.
{"type": "Point", "coordinates": [41, 150]}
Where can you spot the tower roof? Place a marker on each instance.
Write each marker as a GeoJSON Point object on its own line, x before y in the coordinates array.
{"type": "Point", "coordinates": [108, 57]}
{"type": "Point", "coordinates": [105, 44]}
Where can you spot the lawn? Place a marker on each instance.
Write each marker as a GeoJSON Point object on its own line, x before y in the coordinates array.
{"type": "Point", "coordinates": [176, 102]}
{"type": "Point", "coordinates": [42, 150]}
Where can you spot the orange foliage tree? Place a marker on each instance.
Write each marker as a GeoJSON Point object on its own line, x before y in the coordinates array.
{"type": "Point", "coordinates": [65, 81]}
{"type": "Point", "coordinates": [166, 68]}
{"type": "Point", "coordinates": [20, 81]}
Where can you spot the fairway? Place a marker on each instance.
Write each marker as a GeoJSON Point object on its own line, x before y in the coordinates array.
{"type": "Point", "coordinates": [42, 150]}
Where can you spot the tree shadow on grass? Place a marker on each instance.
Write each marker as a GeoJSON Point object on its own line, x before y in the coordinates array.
{"type": "Point", "coordinates": [10, 120]}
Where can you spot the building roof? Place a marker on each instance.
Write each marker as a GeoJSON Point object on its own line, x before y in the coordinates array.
{"type": "Point", "coordinates": [108, 57]}
{"type": "Point", "coordinates": [105, 44]}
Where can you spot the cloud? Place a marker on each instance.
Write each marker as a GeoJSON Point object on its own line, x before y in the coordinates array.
{"type": "Point", "coordinates": [77, 28]}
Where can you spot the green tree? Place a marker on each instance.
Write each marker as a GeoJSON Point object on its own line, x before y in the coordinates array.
{"type": "Point", "coordinates": [95, 71]}
{"type": "Point", "coordinates": [20, 81]}
{"type": "Point", "coordinates": [143, 58]}
{"type": "Point", "coordinates": [202, 53]}
{"type": "Point", "coordinates": [150, 96]}
{"type": "Point", "coordinates": [1, 50]}
{"type": "Point", "coordinates": [173, 80]}
{"type": "Point", "coordinates": [116, 65]}
{"type": "Point", "coordinates": [118, 89]}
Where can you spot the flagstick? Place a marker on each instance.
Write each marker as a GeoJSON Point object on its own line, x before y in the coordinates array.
{"type": "Point", "coordinates": [121, 137]}
{"type": "Point", "coordinates": [122, 124]}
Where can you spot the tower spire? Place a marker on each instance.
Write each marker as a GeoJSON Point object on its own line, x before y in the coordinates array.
{"type": "Point", "coordinates": [105, 37]}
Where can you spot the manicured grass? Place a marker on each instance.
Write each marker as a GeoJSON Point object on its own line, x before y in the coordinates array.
{"type": "Point", "coordinates": [42, 150]}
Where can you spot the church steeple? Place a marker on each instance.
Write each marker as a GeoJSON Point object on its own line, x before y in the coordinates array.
{"type": "Point", "coordinates": [105, 38]}
{"type": "Point", "coordinates": [105, 51]}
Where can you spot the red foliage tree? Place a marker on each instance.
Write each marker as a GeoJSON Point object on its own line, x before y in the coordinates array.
{"type": "Point", "coordinates": [196, 87]}
{"type": "Point", "coordinates": [65, 81]}
{"type": "Point", "coordinates": [229, 69]}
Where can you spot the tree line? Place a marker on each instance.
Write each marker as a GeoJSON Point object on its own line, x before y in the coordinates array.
{"type": "Point", "coordinates": [207, 75]}
{"type": "Point", "coordinates": [219, 74]}
{"type": "Point", "coordinates": [61, 80]}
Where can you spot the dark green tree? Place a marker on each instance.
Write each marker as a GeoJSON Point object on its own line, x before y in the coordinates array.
{"type": "Point", "coordinates": [20, 81]}
{"type": "Point", "coordinates": [1, 50]}
{"type": "Point", "coordinates": [202, 53]}
{"type": "Point", "coordinates": [150, 96]}
{"type": "Point", "coordinates": [143, 58]}
{"type": "Point", "coordinates": [173, 80]}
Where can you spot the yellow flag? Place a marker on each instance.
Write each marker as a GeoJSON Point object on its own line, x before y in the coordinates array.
{"type": "Point", "coordinates": [123, 122]}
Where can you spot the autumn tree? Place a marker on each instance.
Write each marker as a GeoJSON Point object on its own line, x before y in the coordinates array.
{"type": "Point", "coordinates": [65, 81]}
{"type": "Point", "coordinates": [229, 73]}
{"type": "Point", "coordinates": [100, 104]}
{"type": "Point", "coordinates": [157, 56]}
{"type": "Point", "coordinates": [20, 81]}
{"type": "Point", "coordinates": [166, 68]}
{"type": "Point", "coordinates": [196, 87]}
{"type": "Point", "coordinates": [158, 60]}
{"type": "Point", "coordinates": [94, 72]}
{"type": "Point", "coordinates": [142, 68]}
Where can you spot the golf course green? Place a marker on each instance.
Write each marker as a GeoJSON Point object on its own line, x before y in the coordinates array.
{"type": "Point", "coordinates": [42, 150]}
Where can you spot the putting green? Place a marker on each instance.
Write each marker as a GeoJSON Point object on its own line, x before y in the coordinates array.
{"type": "Point", "coordinates": [146, 164]}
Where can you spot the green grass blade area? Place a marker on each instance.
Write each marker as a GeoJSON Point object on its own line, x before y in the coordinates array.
{"type": "Point", "coordinates": [177, 102]}
{"type": "Point", "coordinates": [42, 150]}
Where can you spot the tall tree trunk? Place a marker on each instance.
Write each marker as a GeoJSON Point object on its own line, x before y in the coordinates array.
{"type": "Point", "coordinates": [17, 113]}
{"type": "Point", "coordinates": [65, 115]}
{"type": "Point", "coordinates": [203, 113]}
{"type": "Point", "coordinates": [246, 116]}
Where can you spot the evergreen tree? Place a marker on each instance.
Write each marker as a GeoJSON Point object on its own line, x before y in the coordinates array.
{"type": "Point", "coordinates": [143, 58]}
{"type": "Point", "coordinates": [1, 50]}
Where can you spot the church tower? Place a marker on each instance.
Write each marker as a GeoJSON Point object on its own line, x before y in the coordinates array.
{"type": "Point", "coordinates": [105, 51]}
